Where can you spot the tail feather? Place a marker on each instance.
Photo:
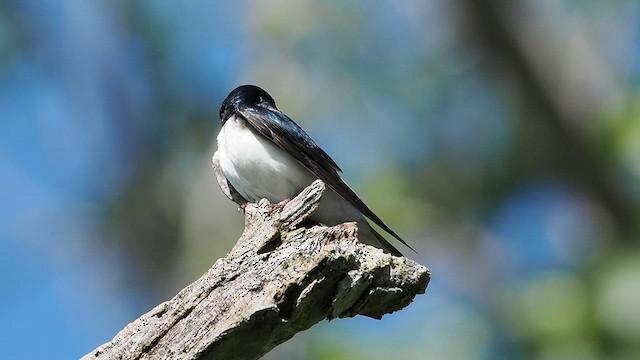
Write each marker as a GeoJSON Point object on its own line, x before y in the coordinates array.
{"type": "Point", "coordinates": [383, 243]}
{"type": "Point", "coordinates": [334, 209]}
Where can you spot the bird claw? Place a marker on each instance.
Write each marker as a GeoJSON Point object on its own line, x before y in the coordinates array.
{"type": "Point", "coordinates": [242, 207]}
{"type": "Point", "coordinates": [278, 207]}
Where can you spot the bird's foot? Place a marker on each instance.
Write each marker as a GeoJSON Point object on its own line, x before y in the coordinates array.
{"type": "Point", "coordinates": [242, 207]}
{"type": "Point", "coordinates": [279, 206]}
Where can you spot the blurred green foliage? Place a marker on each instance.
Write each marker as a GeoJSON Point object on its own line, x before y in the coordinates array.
{"type": "Point", "coordinates": [501, 139]}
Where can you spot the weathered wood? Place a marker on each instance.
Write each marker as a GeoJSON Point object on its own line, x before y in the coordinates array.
{"type": "Point", "coordinates": [279, 279]}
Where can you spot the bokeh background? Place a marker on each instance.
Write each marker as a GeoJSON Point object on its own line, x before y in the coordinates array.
{"type": "Point", "coordinates": [501, 138]}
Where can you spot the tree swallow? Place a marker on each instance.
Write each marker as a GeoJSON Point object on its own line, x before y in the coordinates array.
{"type": "Point", "coordinates": [262, 153]}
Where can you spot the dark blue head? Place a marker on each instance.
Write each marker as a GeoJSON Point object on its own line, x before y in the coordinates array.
{"type": "Point", "coordinates": [245, 96]}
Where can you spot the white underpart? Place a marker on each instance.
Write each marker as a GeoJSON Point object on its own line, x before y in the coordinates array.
{"type": "Point", "coordinates": [256, 167]}
{"type": "Point", "coordinates": [259, 169]}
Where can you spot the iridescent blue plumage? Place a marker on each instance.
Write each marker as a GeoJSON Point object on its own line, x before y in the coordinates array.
{"type": "Point", "coordinates": [251, 107]}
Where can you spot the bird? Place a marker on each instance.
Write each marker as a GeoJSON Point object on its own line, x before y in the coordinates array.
{"type": "Point", "coordinates": [262, 153]}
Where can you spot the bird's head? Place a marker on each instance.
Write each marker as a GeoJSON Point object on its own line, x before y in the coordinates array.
{"type": "Point", "coordinates": [244, 96]}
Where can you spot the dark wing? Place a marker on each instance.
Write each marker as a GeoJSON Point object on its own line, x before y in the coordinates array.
{"type": "Point", "coordinates": [385, 244]}
{"type": "Point", "coordinates": [284, 132]}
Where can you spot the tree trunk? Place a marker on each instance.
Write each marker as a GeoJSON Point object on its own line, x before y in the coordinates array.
{"type": "Point", "coordinates": [280, 278]}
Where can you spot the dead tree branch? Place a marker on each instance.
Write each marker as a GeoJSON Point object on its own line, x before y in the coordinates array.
{"type": "Point", "coordinates": [279, 279]}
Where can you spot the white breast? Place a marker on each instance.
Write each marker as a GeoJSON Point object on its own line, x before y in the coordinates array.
{"type": "Point", "coordinates": [256, 167]}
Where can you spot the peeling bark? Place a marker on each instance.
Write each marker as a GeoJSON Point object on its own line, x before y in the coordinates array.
{"type": "Point", "coordinates": [280, 278]}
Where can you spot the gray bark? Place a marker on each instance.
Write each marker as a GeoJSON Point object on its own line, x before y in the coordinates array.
{"type": "Point", "coordinates": [280, 278]}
